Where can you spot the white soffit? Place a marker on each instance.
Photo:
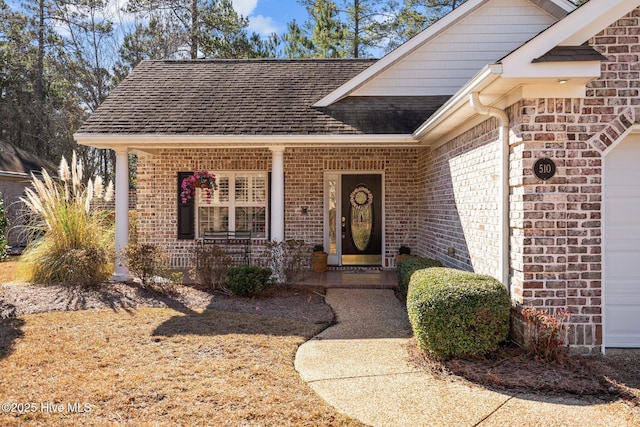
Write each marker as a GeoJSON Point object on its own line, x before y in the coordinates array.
{"type": "Point", "coordinates": [152, 142]}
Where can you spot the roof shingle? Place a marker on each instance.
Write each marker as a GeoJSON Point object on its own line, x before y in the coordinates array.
{"type": "Point", "coordinates": [250, 97]}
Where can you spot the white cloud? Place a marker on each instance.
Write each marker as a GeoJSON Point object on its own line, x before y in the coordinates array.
{"type": "Point", "coordinates": [263, 25]}
{"type": "Point", "coordinates": [244, 7]}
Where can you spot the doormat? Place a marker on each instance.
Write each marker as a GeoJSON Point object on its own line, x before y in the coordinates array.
{"type": "Point", "coordinates": [362, 271]}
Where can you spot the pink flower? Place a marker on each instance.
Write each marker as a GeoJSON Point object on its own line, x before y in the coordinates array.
{"type": "Point", "coordinates": [202, 179]}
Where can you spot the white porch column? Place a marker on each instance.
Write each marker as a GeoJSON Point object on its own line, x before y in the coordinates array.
{"type": "Point", "coordinates": [277, 193]}
{"type": "Point", "coordinates": [122, 213]}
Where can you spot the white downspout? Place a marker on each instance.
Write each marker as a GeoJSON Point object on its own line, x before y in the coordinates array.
{"type": "Point", "coordinates": [474, 99]}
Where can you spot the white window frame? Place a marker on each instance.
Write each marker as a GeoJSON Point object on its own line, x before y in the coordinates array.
{"type": "Point", "coordinates": [201, 200]}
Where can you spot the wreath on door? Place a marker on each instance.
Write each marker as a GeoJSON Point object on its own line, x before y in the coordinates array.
{"type": "Point", "coordinates": [361, 198]}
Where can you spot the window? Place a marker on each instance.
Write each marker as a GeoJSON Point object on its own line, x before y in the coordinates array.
{"type": "Point", "coordinates": [239, 204]}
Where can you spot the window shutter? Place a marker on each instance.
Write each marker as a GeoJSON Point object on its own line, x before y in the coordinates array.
{"type": "Point", "coordinates": [186, 213]}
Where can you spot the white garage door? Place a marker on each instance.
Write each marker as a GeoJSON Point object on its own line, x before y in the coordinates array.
{"type": "Point", "coordinates": [622, 244]}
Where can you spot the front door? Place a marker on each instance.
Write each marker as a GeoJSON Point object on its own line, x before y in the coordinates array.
{"type": "Point", "coordinates": [361, 219]}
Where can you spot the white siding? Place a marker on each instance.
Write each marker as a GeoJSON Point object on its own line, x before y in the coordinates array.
{"type": "Point", "coordinates": [447, 61]}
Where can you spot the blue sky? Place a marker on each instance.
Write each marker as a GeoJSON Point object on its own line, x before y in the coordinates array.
{"type": "Point", "coordinates": [270, 16]}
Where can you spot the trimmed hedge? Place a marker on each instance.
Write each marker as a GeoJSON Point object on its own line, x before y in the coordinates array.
{"type": "Point", "coordinates": [247, 280]}
{"type": "Point", "coordinates": [408, 266]}
{"type": "Point", "coordinates": [455, 313]}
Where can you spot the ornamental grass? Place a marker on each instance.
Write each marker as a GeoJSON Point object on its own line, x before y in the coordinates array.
{"type": "Point", "coordinates": [70, 240]}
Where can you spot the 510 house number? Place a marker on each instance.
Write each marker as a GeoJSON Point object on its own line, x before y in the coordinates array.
{"type": "Point", "coordinates": [544, 169]}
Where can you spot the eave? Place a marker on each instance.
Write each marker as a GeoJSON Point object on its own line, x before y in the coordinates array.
{"type": "Point", "coordinates": [457, 116]}
{"type": "Point", "coordinates": [154, 142]}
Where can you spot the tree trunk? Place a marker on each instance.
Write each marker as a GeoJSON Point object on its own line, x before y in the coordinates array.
{"type": "Point", "coordinates": [194, 29]}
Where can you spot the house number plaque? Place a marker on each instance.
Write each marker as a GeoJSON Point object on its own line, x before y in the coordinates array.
{"type": "Point", "coordinates": [544, 168]}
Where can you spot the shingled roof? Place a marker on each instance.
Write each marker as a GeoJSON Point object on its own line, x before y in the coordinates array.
{"type": "Point", "coordinates": [15, 161]}
{"type": "Point", "coordinates": [571, 54]}
{"type": "Point", "coordinates": [251, 97]}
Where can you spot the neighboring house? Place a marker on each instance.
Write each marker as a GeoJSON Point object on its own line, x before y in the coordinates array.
{"type": "Point", "coordinates": [433, 146]}
{"type": "Point", "coordinates": [16, 166]}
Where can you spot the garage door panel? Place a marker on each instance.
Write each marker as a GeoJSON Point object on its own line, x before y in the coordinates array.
{"type": "Point", "coordinates": [622, 192]}
{"type": "Point", "coordinates": [621, 237]}
{"type": "Point", "coordinates": [623, 241]}
{"type": "Point", "coordinates": [626, 295]}
{"type": "Point", "coordinates": [622, 325]}
{"type": "Point", "coordinates": [617, 265]}
{"type": "Point", "coordinates": [618, 213]}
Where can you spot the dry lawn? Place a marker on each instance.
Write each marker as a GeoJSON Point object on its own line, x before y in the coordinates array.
{"type": "Point", "coordinates": [8, 269]}
{"type": "Point", "coordinates": [157, 366]}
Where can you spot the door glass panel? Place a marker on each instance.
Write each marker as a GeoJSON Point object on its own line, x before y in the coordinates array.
{"type": "Point", "coordinates": [361, 200]}
{"type": "Point", "coordinates": [333, 203]}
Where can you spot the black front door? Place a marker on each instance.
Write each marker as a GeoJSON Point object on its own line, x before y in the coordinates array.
{"type": "Point", "coordinates": [361, 219]}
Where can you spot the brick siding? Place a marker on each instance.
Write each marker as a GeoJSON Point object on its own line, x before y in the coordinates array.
{"type": "Point", "coordinates": [556, 229]}
{"type": "Point", "coordinates": [460, 195]}
{"type": "Point", "coordinates": [304, 177]}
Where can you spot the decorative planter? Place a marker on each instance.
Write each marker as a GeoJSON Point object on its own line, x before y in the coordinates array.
{"type": "Point", "coordinates": [319, 261]}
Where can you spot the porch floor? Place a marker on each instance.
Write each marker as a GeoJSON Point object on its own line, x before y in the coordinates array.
{"type": "Point", "coordinates": [352, 278]}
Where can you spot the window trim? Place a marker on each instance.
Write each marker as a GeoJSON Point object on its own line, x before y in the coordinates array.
{"type": "Point", "coordinates": [232, 205]}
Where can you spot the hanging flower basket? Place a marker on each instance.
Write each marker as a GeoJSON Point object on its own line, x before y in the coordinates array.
{"type": "Point", "coordinates": [202, 179]}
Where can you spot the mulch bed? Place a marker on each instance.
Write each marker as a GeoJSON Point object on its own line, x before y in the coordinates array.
{"type": "Point", "coordinates": [305, 305]}
{"type": "Point", "coordinates": [616, 376]}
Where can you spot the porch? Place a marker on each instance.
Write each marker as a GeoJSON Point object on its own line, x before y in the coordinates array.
{"type": "Point", "coordinates": [357, 278]}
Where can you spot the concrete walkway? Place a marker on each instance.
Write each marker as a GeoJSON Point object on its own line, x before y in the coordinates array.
{"type": "Point", "coordinates": [360, 366]}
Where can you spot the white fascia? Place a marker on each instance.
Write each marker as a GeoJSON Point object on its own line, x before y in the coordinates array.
{"type": "Point", "coordinates": [487, 75]}
{"type": "Point", "coordinates": [149, 142]}
{"type": "Point", "coordinates": [399, 53]}
{"type": "Point", "coordinates": [573, 30]}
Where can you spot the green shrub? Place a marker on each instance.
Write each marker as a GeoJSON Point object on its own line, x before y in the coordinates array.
{"type": "Point", "coordinates": [455, 313]}
{"type": "Point", "coordinates": [408, 266]}
{"type": "Point", "coordinates": [247, 280]}
{"type": "Point", "coordinates": [65, 225]}
{"type": "Point", "coordinates": [209, 265]}
{"type": "Point", "coordinates": [4, 223]}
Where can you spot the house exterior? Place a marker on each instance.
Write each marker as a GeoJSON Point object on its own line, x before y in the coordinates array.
{"type": "Point", "coordinates": [502, 140]}
{"type": "Point", "coordinates": [16, 167]}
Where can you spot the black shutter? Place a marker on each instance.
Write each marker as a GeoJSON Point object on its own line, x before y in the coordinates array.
{"type": "Point", "coordinates": [186, 212]}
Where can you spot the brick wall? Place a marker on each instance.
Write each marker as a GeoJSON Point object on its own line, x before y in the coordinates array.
{"type": "Point", "coordinates": [304, 177]}
{"type": "Point", "coordinates": [460, 195]}
{"type": "Point", "coordinates": [556, 229]}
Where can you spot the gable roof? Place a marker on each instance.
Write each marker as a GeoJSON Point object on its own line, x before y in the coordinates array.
{"type": "Point", "coordinates": [248, 97]}
{"type": "Point", "coordinates": [568, 67]}
{"type": "Point", "coordinates": [20, 163]}
{"type": "Point", "coordinates": [499, 32]}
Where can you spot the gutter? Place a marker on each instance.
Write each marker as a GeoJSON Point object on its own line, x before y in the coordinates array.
{"type": "Point", "coordinates": [159, 141]}
{"type": "Point", "coordinates": [487, 75]}
{"type": "Point", "coordinates": [474, 100]}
